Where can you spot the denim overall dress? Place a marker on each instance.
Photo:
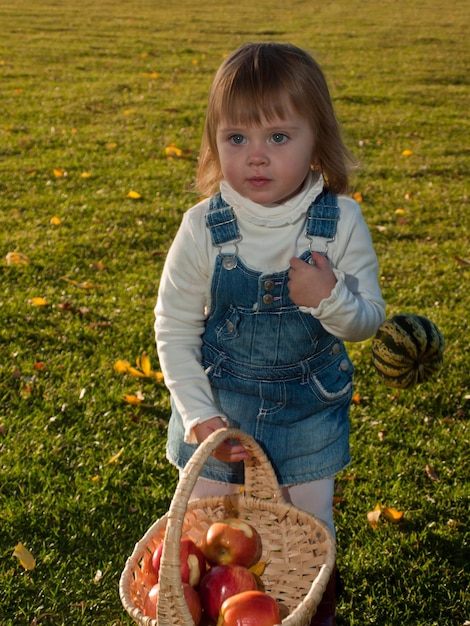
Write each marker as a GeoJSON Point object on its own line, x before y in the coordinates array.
{"type": "Point", "coordinates": [275, 372]}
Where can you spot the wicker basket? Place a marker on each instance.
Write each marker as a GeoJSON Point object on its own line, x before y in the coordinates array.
{"type": "Point", "coordinates": [298, 549]}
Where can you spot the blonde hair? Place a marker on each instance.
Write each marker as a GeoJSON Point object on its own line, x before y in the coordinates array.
{"type": "Point", "coordinates": [260, 81]}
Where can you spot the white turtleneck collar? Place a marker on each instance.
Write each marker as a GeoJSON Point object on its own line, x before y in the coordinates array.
{"type": "Point", "coordinates": [274, 215]}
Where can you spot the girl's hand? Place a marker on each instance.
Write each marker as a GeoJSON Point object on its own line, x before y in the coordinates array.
{"type": "Point", "coordinates": [310, 284]}
{"type": "Point", "coordinates": [227, 451]}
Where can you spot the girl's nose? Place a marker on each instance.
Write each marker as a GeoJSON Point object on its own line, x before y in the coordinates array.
{"type": "Point", "coordinates": [257, 156]}
{"type": "Point", "coordinates": [257, 159]}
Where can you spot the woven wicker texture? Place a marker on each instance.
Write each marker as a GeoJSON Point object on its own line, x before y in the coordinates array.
{"type": "Point", "coordinates": [298, 549]}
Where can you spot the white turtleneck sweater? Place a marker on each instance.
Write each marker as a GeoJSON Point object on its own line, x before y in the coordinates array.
{"type": "Point", "coordinates": [271, 236]}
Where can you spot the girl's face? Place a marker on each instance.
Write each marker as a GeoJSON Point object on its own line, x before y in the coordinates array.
{"type": "Point", "coordinates": [268, 163]}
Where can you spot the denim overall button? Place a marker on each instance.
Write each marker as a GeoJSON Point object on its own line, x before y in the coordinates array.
{"type": "Point", "coordinates": [268, 298]}
{"type": "Point", "coordinates": [268, 285]}
{"type": "Point", "coordinates": [229, 262]}
{"type": "Point", "coordinates": [336, 349]}
{"type": "Point", "coordinates": [230, 327]}
{"type": "Point", "coordinates": [344, 365]}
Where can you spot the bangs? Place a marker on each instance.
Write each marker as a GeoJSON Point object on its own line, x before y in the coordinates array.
{"type": "Point", "coordinates": [252, 104]}
{"type": "Point", "coordinates": [256, 88]}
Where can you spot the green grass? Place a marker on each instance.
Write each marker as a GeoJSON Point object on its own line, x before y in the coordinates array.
{"type": "Point", "coordinates": [103, 87]}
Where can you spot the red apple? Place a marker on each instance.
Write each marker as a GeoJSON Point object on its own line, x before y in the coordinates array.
{"type": "Point", "coordinates": [249, 608]}
{"type": "Point", "coordinates": [193, 562]}
{"type": "Point", "coordinates": [190, 595]}
{"type": "Point", "coordinates": [232, 540]}
{"type": "Point", "coordinates": [221, 582]}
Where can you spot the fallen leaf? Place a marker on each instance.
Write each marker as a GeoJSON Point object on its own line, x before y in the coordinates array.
{"type": "Point", "coordinates": [461, 261]}
{"type": "Point", "coordinates": [133, 371]}
{"type": "Point", "coordinates": [392, 515]}
{"type": "Point", "coordinates": [98, 576]}
{"type": "Point", "coordinates": [400, 212]}
{"type": "Point", "coordinates": [25, 557]}
{"type": "Point", "coordinates": [173, 151]}
{"type": "Point", "coordinates": [373, 516]}
{"type": "Point", "coordinates": [258, 568]}
{"type": "Point", "coordinates": [357, 196]}
{"type": "Point", "coordinates": [85, 175]}
{"type": "Point", "coordinates": [356, 399]}
{"type": "Point", "coordinates": [432, 474]}
{"type": "Point", "coordinates": [55, 221]}
{"type": "Point", "coordinates": [59, 173]}
{"type": "Point", "coordinates": [98, 266]}
{"type": "Point", "coordinates": [38, 301]}
{"type": "Point", "coordinates": [121, 366]}
{"type": "Point", "coordinates": [16, 258]}
{"type": "Point", "coordinates": [407, 153]}
{"type": "Point", "coordinates": [133, 399]}
{"type": "Point", "coordinates": [115, 457]}
{"type": "Point", "coordinates": [144, 363]}
{"type": "Point", "coordinates": [134, 195]}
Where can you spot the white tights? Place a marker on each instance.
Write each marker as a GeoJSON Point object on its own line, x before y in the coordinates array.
{"type": "Point", "coordinates": [315, 497]}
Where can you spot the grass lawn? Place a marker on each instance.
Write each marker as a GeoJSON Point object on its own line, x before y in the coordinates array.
{"type": "Point", "coordinates": [102, 106]}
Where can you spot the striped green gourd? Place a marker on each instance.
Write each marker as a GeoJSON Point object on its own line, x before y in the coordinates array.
{"type": "Point", "coordinates": [407, 350]}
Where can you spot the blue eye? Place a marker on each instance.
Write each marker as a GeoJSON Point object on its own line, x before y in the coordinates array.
{"type": "Point", "coordinates": [279, 138]}
{"type": "Point", "coordinates": [237, 139]}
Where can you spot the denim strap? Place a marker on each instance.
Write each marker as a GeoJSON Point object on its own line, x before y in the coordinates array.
{"type": "Point", "coordinates": [222, 221]}
{"type": "Point", "coordinates": [322, 218]}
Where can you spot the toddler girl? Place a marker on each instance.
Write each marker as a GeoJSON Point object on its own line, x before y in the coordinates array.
{"type": "Point", "coordinates": [265, 280]}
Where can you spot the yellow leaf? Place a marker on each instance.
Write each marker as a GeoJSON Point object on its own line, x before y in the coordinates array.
{"type": "Point", "coordinates": [258, 568]}
{"type": "Point", "coordinates": [134, 195]}
{"type": "Point", "coordinates": [111, 145]}
{"type": "Point", "coordinates": [132, 399]}
{"type": "Point", "coordinates": [144, 363]}
{"type": "Point", "coordinates": [135, 372]}
{"type": "Point", "coordinates": [58, 173]}
{"type": "Point", "coordinates": [38, 301]}
{"type": "Point", "coordinates": [85, 175]}
{"type": "Point", "coordinates": [392, 515]}
{"type": "Point", "coordinates": [400, 212]}
{"type": "Point", "coordinates": [25, 557]}
{"type": "Point", "coordinates": [356, 399]}
{"type": "Point", "coordinates": [173, 151]}
{"type": "Point", "coordinates": [121, 367]}
{"type": "Point", "coordinates": [357, 196]}
{"type": "Point", "coordinates": [115, 457]}
{"type": "Point", "coordinates": [407, 153]}
{"type": "Point", "coordinates": [55, 221]}
{"type": "Point", "coordinates": [16, 258]}
{"type": "Point", "coordinates": [158, 377]}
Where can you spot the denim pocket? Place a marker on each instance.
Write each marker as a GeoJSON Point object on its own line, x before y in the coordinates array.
{"type": "Point", "coordinates": [334, 383]}
{"type": "Point", "coordinates": [228, 327]}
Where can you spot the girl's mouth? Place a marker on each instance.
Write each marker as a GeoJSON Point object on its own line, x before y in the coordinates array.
{"type": "Point", "coordinates": [259, 181]}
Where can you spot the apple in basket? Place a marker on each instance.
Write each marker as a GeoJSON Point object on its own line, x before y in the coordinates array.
{"type": "Point", "coordinates": [249, 608]}
{"type": "Point", "coordinates": [231, 540]}
{"type": "Point", "coordinates": [190, 595]}
{"type": "Point", "coordinates": [221, 582]}
{"type": "Point", "coordinates": [193, 562]}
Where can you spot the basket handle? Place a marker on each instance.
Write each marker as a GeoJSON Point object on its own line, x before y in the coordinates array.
{"type": "Point", "coordinates": [260, 481]}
